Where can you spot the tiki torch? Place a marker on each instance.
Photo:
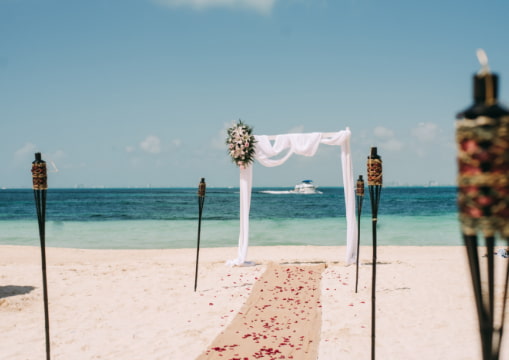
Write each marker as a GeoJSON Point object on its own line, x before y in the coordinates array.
{"type": "Point", "coordinates": [359, 197]}
{"type": "Point", "coordinates": [40, 185]}
{"type": "Point", "coordinates": [201, 199]}
{"type": "Point", "coordinates": [375, 188]}
{"type": "Point", "coordinates": [482, 136]}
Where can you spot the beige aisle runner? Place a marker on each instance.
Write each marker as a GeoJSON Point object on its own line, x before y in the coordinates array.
{"type": "Point", "coordinates": [280, 320]}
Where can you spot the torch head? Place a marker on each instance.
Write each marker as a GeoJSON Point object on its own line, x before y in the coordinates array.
{"type": "Point", "coordinates": [374, 168]}
{"type": "Point", "coordinates": [359, 191]}
{"type": "Point", "coordinates": [39, 173]}
{"type": "Point", "coordinates": [202, 188]}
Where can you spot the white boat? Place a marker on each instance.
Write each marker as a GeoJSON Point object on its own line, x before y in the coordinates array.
{"type": "Point", "coordinates": [305, 187]}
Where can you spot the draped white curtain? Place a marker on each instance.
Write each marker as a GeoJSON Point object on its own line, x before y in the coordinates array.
{"type": "Point", "coordinates": [301, 144]}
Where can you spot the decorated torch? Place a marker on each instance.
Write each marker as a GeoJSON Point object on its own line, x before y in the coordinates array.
{"type": "Point", "coordinates": [40, 185]}
{"type": "Point", "coordinates": [482, 136]}
{"type": "Point", "coordinates": [359, 197]}
{"type": "Point", "coordinates": [375, 188]}
{"type": "Point", "coordinates": [201, 199]}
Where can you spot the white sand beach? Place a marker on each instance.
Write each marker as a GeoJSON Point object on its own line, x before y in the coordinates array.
{"type": "Point", "coordinates": [140, 304]}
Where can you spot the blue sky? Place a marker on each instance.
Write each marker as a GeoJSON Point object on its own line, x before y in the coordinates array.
{"type": "Point", "coordinates": [137, 92]}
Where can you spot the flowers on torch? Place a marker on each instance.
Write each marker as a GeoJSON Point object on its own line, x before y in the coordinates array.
{"type": "Point", "coordinates": [241, 144]}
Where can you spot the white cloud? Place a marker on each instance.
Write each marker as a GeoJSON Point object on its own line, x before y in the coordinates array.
{"type": "Point", "coordinates": [151, 144]}
{"type": "Point", "coordinates": [58, 155]}
{"type": "Point", "coordinates": [392, 145]}
{"type": "Point", "coordinates": [425, 132]}
{"type": "Point", "coordinates": [297, 130]}
{"type": "Point", "coordinates": [56, 160]}
{"type": "Point", "coordinates": [383, 138]}
{"type": "Point", "coordinates": [130, 149]}
{"type": "Point", "coordinates": [177, 142]}
{"type": "Point", "coordinates": [219, 141]}
{"type": "Point", "coordinates": [25, 150]}
{"type": "Point", "coordinates": [26, 154]}
{"type": "Point", "coordinates": [386, 139]}
{"type": "Point", "coordinates": [136, 162]}
{"type": "Point", "coordinates": [383, 133]}
{"type": "Point", "coordinates": [261, 6]}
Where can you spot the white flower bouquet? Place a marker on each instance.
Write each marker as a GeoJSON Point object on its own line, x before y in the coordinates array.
{"type": "Point", "coordinates": [241, 144]}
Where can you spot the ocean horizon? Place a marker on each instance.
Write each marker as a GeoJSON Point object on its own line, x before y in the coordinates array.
{"type": "Point", "coordinates": [160, 218]}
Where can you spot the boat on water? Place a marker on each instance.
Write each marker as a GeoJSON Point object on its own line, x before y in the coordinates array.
{"type": "Point", "coordinates": [305, 187]}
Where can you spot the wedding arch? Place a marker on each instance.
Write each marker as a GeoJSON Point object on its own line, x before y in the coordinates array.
{"type": "Point", "coordinates": [265, 152]}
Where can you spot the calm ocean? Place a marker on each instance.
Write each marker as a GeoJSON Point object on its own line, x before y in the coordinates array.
{"type": "Point", "coordinates": [168, 218]}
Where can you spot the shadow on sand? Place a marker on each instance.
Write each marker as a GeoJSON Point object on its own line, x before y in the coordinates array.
{"type": "Point", "coordinates": [13, 290]}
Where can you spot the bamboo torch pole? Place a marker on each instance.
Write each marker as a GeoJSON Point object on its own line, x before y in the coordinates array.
{"type": "Point", "coordinates": [40, 185]}
{"type": "Point", "coordinates": [482, 136]}
{"type": "Point", "coordinates": [375, 187]}
{"type": "Point", "coordinates": [201, 199]}
{"type": "Point", "coordinates": [359, 196]}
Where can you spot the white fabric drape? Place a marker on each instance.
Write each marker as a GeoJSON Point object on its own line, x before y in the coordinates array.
{"type": "Point", "coordinates": [301, 144]}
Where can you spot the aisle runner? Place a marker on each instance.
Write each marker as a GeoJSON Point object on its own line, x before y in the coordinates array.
{"type": "Point", "coordinates": [280, 320]}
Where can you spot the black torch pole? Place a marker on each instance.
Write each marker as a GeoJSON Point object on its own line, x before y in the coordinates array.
{"type": "Point", "coordinates": [40, 185]}
{"type": "Point", "coordinates": [201, 199]}
{"type": "Point", "coordinates": [375, 187]}
{"type": "Point", "coordinates": [483, 199]}
{"type": "Point", "coordinates": [359, 197]}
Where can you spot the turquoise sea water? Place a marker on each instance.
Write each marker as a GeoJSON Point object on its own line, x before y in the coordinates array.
{"type": "Point", "coordinates": [168, 218]}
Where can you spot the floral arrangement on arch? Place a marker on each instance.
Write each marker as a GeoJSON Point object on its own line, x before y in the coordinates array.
{"type": "Point", "coordinates": [241, 144]}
